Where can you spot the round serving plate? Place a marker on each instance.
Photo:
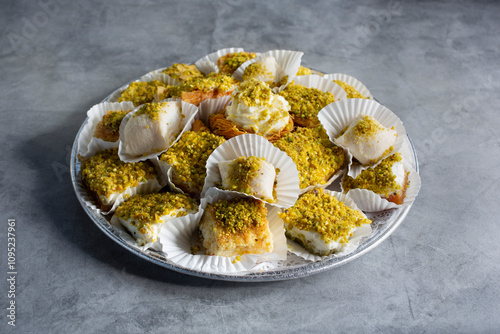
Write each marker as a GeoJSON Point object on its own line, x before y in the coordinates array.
{"type": "Point", "coordinates": [383, 225]}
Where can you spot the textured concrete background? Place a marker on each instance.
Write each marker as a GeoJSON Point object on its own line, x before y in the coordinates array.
{"type": "Point", "coordinates": [435, 64]}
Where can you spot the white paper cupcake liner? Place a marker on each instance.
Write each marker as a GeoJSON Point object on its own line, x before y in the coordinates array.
{"type": "Point", "coordinates": [352, 81]}
{"type": "Point", "coordinates": [188, 111]}
{"type": "Point", "coordinates": [287, 188]}
{"type": "Point", "coordinates": [151, 76]}
{"type": "Point", "coordinates": [322, 84]}
{"type": "Point", "coordinates": [337, 116]}
{"type": "Point", "coordinates": [179, 237]}
{"type": "Point", "coordinates": [358, 235]}
{"type": "Point", "coordinates": [208, 64]}
{"type": "Point", "coordinates": [288, 61]}
{"type": "Point", "coordinates": [212, 106]}
{"type": "Point", "coordinates": [88, 145]}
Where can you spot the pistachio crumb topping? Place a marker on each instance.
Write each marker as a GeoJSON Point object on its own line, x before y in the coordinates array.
{"type": "Point", "coordinates": [379, 179]}
{"type": "Point", "coordinates": [253, 93]}
{"type": "Point", "coordinates": [352, 93]}
{"type": "Point", "coordinates": [255, 69]}
{"type": "Point", "coordinates": [367, 127]}
{"type": "Point", "coordinates": [317, 211]}
{"type": "Point", "coordinates": [109, 126]}
{"type": "Point", "coordinates": [140, 92]}
{"type": "Point", "coordinates": [231, 61]}
{"type": "Point", "coordinates": [189, 156]}
{"type": "Point", "coordinates": [183, 72]}
{"type": "Point", "coordinates": [242, 171]}
{"type": "Point", "coordinates": [143, 209]}
{"type": "Point", "coordinates": [235, 216]}
{"type": "Point", "coordinates": [304, 71]}
{"type": "Point", "coordinates": [219, 81]}
{"type": "Point", "coordinates": [106, 174]}
{"type": "Point", "coordinates": [152, 109]}
{"type": "Point", "coordinates": [316, 157]}
{"type": "Point", "coordinates": [306, 102]}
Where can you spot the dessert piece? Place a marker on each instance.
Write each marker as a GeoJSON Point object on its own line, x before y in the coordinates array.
{"type": "Point", "coordinates": [108, 178]}
{"type": "Point", "coordinates": [151, 128]}
{"type": "Point", "coordinates": [321, 223]}
{"type": "Point", "coordinates": [306, 103]}
{"type": "Point", "coordinates": [255, 109]}
{"type": "Point", "coordinates": [188, 158]}
{"type": "Point", "coordinates": [304, 71]}
{"type": "Point", "coordinates": [140, 92]}
{"type": "Point", "coordinates": [108, 129]}
{"type": "Point", "coordinates": [236, 227]}
{"type": "Point", "coordinates": [267, 70]}
{"type": "Point", "coordinates": [183, 72]}
{"type": "Point", "coordinates": [143, 215]}
{"type": "Point", "coordinates": [249, 175]}
{"type": "Point", "coordinates": [316, 157]}
{"type": "Point", "coordinates": [231, 61]}
{"type": "Point", "coordinates": [352, 93]}
{"type": "Point", "coordinates": [367, 139]}
{"type": "Point", "coordinates": [199, 89]}
{"type": "Point", "coordinates": [387, 179]}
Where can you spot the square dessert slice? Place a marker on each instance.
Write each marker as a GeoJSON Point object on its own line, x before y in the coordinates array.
{"type": "Point", "coordinates": [108, 178]}
{"type": "Point", "coordinates": [182, 72]}
{"type": "Point", "coordinates": [231, 61]}
{"type": "Point", "coordinates": [250, 175]}
{"type": "Point", "coordinates": [387, 179]}
{"type": "Point", "coordinates": [321, 223]}
{"type": "Point", "coordinates": [140, 92]}
{"type": "Point", "coordinates": [236, 227]}
{"type": "Point", "coordinates": [108, 129]}
{"type": "Point", "coordinates": [143, 215]}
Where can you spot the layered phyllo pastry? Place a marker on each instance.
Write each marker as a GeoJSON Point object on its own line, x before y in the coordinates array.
{"type": "Point", "coordinates": [199, 89]}
{"type": "Point", "coordinates": [140, 92]}
{"type": "Point", "coordinates": [316, 157]}
{"type": "Point", "coordinates": [250, 175]}
{"type": "Point", "coordinates": [229, 62]}
{"type": "Point", "coordinates": [352, 93]}
{"type": "Point", "coordinates": [266, 69]}
{"type": "Point", "coordinates": [108, 129]}
{"type": "Point", "coordinates": [151, 128]}
{"type": "Point", "coordinates": [143, 215]}
{"type": "Point", "coordinates": [182, 72]}
{"type": "Point", "coordinates": [188, 158]}
{"type": "Point", "coordinates": [108, 178]}
{"type": "Point", "coordinates": [236, 227]}
{"type": "Point", "coordinates": [367, 139]}
{"type": "Point", "coordinates": [253, 108]}
{"type": "Point", "coordinates": [305, 103]}
{"type": "Point", "coordinates": [321, 223]}
{"type": "Point", "coordinates": [388, 179]}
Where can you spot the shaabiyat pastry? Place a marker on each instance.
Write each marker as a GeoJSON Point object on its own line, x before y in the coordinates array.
{"type": "Point", "coordinates": [250, 175]}
{"type": "Point", "coordinates": [306, 103]}
{"type": "Point", "coordinates": [316, 157]}
{"type": "Point", "coordinates": [367, 139]}
{"type": "Point", "coordinates": [267, 70]}
{"type": "Point", "coordinates": [199, 89]}
{"type": "Point", "coordinates": [254, 108]}
{"type": "Point", "coordinates": [236, 227]}
{"type": "Point", "coordinates": [140, 92]}
{"type": "Point", "coordinates": [108, 129]}
{"type": "Point", "coordinates": [389, 179]}
{"type": "Point", "coordinates": [352, 93]}
{"type": "Point", "coordinates": [107, 177]}
{"type": "Point", "coordinates": [152, 128]}
{"type": "Point", "coordinates": [230, 62]}
{"type": "Point", "coordinates": [183, 72]}
{"type": "Point", "coordinates": [321, 223]}
{"type": "Point", "coordinates": [143, 215]}
{"type": "Point", "coordinates": [188, 158]}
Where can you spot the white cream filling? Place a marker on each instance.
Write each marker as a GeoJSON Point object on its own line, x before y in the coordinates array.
{"type": "Point", "coordinates": [315, 241]}
{"type": "Point", "coordinates": [272, 72]}
{"type": "Point", "coordinates": [151, 184]}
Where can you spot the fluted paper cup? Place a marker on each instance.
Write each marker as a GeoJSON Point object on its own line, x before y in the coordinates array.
{"type": "Point", "coordinates": [351, 81]}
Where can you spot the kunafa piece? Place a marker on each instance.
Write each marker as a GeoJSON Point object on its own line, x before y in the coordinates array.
{"type": "Point", "coordinates": [321, 223]}
{"type": "Point", "coordinates": [266, 69]}
{"type": "Point", "coordinates": [254, 108]}
{"type": "Point", "coordinates": [182, 72]}
{"type": "Point", "coordinates": [108, 129]}
{"type": "Point", "coordinates": [367, 139]}
{"type": "Point", "coordinates": [151, 128]}
{"type": "Point", "coordinates": [389, 179]}
{"type": "Point", "coordinates": [236, 227]}
{"type": "Point", "coordinates": [108, 178]}
{"type": "Point", "coordinates": [250, 175]}
{"type": "Point", "coordinates": [229, 62]}
{"type": "Point", "coordinates": [316, 157]}
{"type": "Point", "coordinates": [188, 158]}
{"type": "Point", "coordinates": [144, 214]}
{"type": "Point", "coordinates": [305, 103]}
{"type": "Point", "coordinates": [140, 92]}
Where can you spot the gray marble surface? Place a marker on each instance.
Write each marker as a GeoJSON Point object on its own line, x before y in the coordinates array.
{"type": "Point", "coordinates": [435, 64]}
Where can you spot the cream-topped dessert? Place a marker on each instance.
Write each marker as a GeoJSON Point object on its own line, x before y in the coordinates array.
{"type": "Point", "coordinates": [265, 69]}
{"type": "Point", "coordinates": [367, 139]}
